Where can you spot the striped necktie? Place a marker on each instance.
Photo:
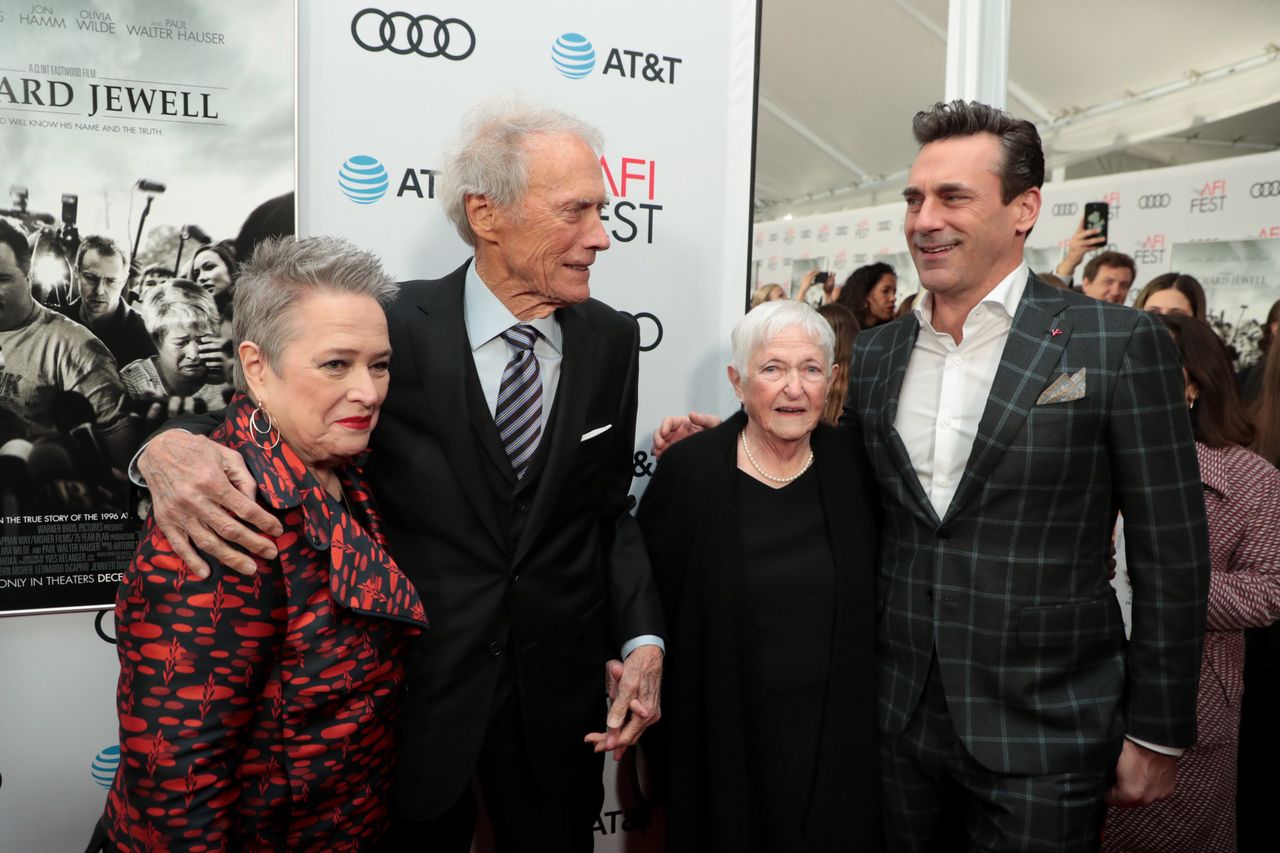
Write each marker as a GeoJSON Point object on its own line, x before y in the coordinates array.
{"type": "Point", "coordinates": [519, 411]}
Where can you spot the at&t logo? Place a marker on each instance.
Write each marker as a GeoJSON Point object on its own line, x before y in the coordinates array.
{"type": "Point", "coordinates": [103, 768]}
{"type": "Point", "coordinates": [364, 180]}
{"type": "Point", "coordinates": [575, 57]}
{"type": "Point", "coordinates": [402, 33]}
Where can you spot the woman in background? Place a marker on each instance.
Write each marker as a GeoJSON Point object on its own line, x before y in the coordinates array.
{"type": "Point", "coordinates": [870, 292]}
{"type": "Point", "coordinates": [845, 325]}
{"type": "Point", "coordinates": [1172, 293]}
{"type": "Point", "coordinates": [767, 293]}
{"type": "Point", "coordinates": [1242, 502]}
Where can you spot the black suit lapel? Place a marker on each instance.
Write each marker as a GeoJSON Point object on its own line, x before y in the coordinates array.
{"type": "Point", "coordinates": [1034, 347]}
{"type": "Point", "coordinates": [568, 416]}
{"type": "Point", "coordinates": [444, 357]}
{"type": "Point", "coordinates": [895, 370]}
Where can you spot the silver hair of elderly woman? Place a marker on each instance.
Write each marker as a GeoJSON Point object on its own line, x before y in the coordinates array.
{"type": "Point", "coordinates": [282, 273]}
{"type": "Point", "coordinates": [180, 303]}
{"type": "Point", "coordinates": [490, 157]}
{"type": "Point", "coordinates": [765, 322]}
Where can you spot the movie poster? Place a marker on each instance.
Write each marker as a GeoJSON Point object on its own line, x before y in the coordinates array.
{"type": "Point", "coordinates": [148, 145]}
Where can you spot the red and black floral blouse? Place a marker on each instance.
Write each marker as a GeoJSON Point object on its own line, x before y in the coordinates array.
{"type": "Point", "coordinates": [257, 713]}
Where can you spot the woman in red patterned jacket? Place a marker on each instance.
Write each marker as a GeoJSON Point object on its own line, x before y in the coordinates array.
{"type": "Point", "coordinates": [1242, 502]}
{"type": "Point", "coordinates": [256, 712]}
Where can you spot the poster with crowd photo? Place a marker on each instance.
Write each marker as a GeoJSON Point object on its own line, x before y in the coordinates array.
{"type": "Point", "coordinates": [148, 145]}
{"type": "Point", "coordinates": [1241, 280]}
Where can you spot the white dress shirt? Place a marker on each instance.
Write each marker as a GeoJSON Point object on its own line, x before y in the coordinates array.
{"type": "Point", "coordinates": [946, 387]}
{"type": "Point", "coordinates": [945, 390]}
{"type": "Point", "coordinates": [486, 318]}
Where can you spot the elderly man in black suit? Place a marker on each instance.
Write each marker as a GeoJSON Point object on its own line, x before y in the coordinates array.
{"type": "Point", "coordinates": [502, 463]}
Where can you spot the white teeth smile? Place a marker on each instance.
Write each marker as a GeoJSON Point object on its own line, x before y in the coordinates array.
{"type": "Point", "coordinates": [937, 250]}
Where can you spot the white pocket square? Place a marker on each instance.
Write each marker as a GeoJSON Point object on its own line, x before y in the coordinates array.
{"type": "Point", "coordinates": [593, 433]}
{"type": "Point", "coordinates": [1064, 389]}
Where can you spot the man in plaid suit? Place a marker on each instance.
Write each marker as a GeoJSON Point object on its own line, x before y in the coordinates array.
{"type": "Point", "coordinates": [1008, 423]}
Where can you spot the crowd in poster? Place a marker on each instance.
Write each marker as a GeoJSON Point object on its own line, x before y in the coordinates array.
{"type": "Point", "coordinates": [148, 146]}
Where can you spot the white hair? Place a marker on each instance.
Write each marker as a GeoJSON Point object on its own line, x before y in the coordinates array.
{"type": "Point", "coordinates": [490, 156]}
{"type": "Point", "coordinates": [765, 322]}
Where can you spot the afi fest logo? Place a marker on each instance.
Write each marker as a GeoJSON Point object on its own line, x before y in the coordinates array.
{"type": "Point", "coordinates": [1211, 198]}
{"type": "Point", "coordinates": [1151, 251]}
{"type": "Point", "coordinates": [364, 180]}
{"type": "Point", "coordinates": [422, 35]}
{"type": "Point", "coordinates": [631, 186]}
{"type": "Point", "coordinates": [574, 56]}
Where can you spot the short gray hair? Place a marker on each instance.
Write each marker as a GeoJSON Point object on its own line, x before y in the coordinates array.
{"type": "Point", "coordinates": [490, 156]}
{"type": "Point", "coordinates": [765, 322]}
{"type": "Point", "coordinates": [285, 271]}
{"type": "Point", "coordinates": [179, 303]}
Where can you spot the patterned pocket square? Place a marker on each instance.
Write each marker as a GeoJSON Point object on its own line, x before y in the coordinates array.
{"type": "Point", "coordinates": [1064, 389]}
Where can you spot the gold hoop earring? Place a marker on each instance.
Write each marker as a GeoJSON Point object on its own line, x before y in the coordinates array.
{"type": "Point", "coordinates": [254, 430]}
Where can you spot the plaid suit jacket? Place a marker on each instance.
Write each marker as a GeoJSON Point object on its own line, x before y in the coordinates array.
{"type": "Point", "coordinates": [1011, 584]}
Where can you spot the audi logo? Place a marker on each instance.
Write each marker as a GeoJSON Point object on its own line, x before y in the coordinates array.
{"type": "Point", "coordinates": [1065, 209]}
{"type": "Point", "coordinates": [1154, 201]}
{"type": "Point", "coordinates": [657, 325]}
{"type": "Point", "coordinates": [1265, 189]}
{"type": "Point", "coordinates": [403, 33]}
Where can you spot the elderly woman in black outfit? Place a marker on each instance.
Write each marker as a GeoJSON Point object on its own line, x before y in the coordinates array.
{"type": "Point", "coordinates": [762, 533]}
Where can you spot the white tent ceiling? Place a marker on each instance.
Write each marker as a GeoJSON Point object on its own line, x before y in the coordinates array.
{"type": "Point", "coordinates": [1114, 86]}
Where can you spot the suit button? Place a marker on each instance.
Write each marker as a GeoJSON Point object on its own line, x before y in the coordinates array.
{"type": "Point", "coordinates": [495, 649]}
{"type": "Point", "coordinates": [944, 534]}
{"type": "Point", "coordinates": [928, 593]}
{"type": "Point", "coordinates": [522, 506]}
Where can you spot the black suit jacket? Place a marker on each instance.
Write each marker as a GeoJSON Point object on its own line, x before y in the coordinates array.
{"type": "Point", "coordinates": [546, 576]}
{"type": "Point", "coordinates": [724, 774]}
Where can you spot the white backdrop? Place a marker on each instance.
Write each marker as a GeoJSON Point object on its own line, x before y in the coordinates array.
{"type": "Point", "coordinates": [671, 86]}
{"type": "Point", "coordinates": [1151, 212]}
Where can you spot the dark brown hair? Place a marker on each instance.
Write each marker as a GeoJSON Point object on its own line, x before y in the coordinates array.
{"type": "Point", "coordinates": [846, 327]}
{"type": "Point", "coordinates": [858, 286]}
{"type": "Point", "coordinates": [1184, 284]}
{"type": "Point", "coordinates": [17, 243]}
{"type": "Point", "coordinates": [1118, 260]}
{"type": "Point", "coordinates": [1266, 410]}
{"type": "Point", "coordinates": [1023, 164]}
{"type": "Point", "coordinates": [1218, 418]}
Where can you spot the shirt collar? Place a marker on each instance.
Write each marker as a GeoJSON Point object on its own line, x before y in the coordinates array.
{"type": "Point", "coordinates": [487, 318]}
{"type": "Point", "coordinates": [1005, 296]}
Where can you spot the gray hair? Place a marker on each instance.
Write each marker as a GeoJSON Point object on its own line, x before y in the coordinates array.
{"type": "Point", "coordinates": [285, 271]}
{"type": "Point", "coordinates": [490, 156]}
{"type": "Point", "coordinates": [180, 303]}
{"type": "Point", "coordinates": [765, 322]}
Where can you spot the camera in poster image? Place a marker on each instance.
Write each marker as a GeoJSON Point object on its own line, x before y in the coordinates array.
{"type": "Point", "coordinates": [574, 56]}
{"type": "Point", "coordinates": [364, 180]}
{"type": "Point", "coordinates": [407, 34]}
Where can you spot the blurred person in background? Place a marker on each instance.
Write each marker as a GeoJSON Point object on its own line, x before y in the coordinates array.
{"type": "Point", "coordinates": [767, 293]}
{"type": "Point", "coordinates": [1249, 379]}
{"type": "Point", "coordinates": [1109, 276]}
{"type": "Point", "coordinates": [184, 325]}
{"type": "Point", "coordinates": [870, 292]}
{"type": "Point", "coordinates": [1242, 502]}
{"type": "Point", "coordinates": [152, 276]}
{"type": "Point", "coordinates": [762, 535]}
{"type": "Point", "coordinates": [1172, 293]}
{"type": "Point", "coordinates": [1082, 242]}
{"type": "Point", "coordinates": [827, 292]}
{"type": "Point", "coordinates": [846, 328]}
{"type": "Point", "coordinates": [1259, 789]}
{"type": "Point", "coordinates": [101, 271]}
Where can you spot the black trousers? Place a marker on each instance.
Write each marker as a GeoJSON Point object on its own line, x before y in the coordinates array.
{"type": "Point", "coordinates": [524, 815]}
{"type": "Point", "coordinates": [938, 799]}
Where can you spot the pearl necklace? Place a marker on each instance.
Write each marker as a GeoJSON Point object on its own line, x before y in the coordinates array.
{"type": "Point", "coordinates": [763, 473]}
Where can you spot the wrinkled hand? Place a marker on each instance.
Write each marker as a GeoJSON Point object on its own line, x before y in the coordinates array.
{"type": "Point", "coordinates": [1143, 776]}
{"type": "Point", "coordinates": [201, 493]}
{"type": "Point", "coordinates": [635, 696]}
{"type": "Point", "coordinates": [679, 427]}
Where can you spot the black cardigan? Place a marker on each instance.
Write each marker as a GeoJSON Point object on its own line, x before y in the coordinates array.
{"type": "Point", "coordinates": [713, 750]}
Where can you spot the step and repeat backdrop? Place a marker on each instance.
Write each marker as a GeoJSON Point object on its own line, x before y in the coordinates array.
{"type": "Point", "coordinates": [1217, 221]}
{"type": "Point", "coordinates": [181, 130]}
